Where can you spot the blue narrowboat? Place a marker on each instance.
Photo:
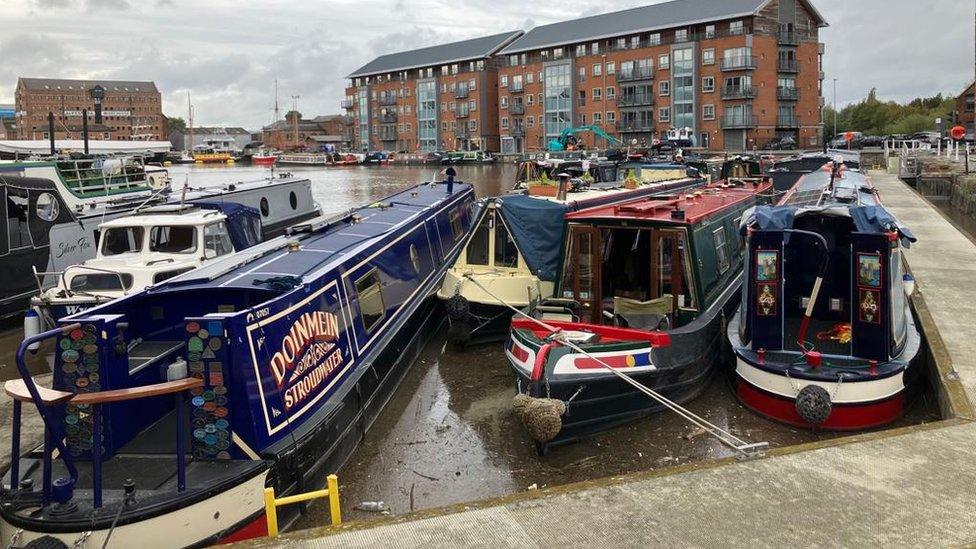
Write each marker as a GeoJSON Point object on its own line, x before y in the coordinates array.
{"type": "Point", "coordinates": [261, 369]}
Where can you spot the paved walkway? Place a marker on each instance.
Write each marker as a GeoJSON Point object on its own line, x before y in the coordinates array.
{"type": "Point", "coordinates": [916, 488]}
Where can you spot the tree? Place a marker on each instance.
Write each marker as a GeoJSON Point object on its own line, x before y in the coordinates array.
{"type": "Point", "coordinates": [872, 116]}
{"type": "Point", "coordinates": [175, 124]}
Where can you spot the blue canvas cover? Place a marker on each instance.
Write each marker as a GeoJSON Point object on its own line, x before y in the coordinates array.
{"type": "Point", "coordinates": [867, 219]}
{"type": "Point", "coordinates": [537, 227]}
{"type": "Point", "coordinates": [243, 222]}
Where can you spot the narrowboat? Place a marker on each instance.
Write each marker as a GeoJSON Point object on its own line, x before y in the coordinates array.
{"type": "Point", "coordinates": [288, 350]}
{"type": "Point", "coordinates": [517, 244]}
{"type": "Point", "coordinates": [53, 209]}
{"type": "Point", "coordinates": [644, 289]}
{"type": "Point", "coordinates": [824, 336]}
{"type": "Point", "coordinates": [137, 251]}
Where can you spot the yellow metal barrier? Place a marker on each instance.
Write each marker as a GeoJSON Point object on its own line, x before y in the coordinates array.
{"type": "Point", "coordinates": [271, 503]}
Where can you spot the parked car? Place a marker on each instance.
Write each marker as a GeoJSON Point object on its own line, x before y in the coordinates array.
{"type": "Point", "coordinates": [781, 143]}
{"type": "Point", "coordinates": [932, 138]}
{"type": "Point", "coordinates": [840, 141]}
{"type": "Point", "coordinates": [872, 141]}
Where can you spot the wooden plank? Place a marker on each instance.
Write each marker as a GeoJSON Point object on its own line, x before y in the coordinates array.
{"type": "Point", "coordinates": [17, 390]}
{"type": "Point", "coordinates": [118, 395]}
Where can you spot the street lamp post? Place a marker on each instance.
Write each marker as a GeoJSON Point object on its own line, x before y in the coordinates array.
{"type": "Point", "coordinates": [835, 107]}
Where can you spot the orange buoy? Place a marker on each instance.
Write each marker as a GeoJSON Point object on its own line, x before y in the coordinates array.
{"type": "Point", "coordinates": [958, 133]}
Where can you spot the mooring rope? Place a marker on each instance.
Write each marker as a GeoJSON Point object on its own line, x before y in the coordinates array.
{"type": "Point", "coordinates": [722, 435]}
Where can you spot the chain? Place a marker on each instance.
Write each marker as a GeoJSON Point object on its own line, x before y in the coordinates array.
{"type": "Point", "coordinates": [840, 379]}
{"type": "Point", "coordinates": [82, 541]}
{"type": "Point", "coordinates": [796, 390]}
{"type": "Point", "coordinates": [15, 538]}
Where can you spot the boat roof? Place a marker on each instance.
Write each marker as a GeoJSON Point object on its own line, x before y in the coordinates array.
{"type": "Point", "coordinates": [850, 187]}
{"type": "Point", "coordinates": [695, 206]}
{"type": "Point", "coordinates": [329, 240]}
{"type": "Point", "coordinates": [168, 214]}
{"type": "Point", "coordinates": [597, 190]}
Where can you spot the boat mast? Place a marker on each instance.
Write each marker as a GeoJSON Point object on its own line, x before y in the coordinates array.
{"type": "Point", "coordinates": [277, 113]}
{"type": "Point", "coordinates": [189, 113]}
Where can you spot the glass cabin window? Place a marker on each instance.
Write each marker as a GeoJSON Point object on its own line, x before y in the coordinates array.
{"type": "Point", "coordinates": [456, 227]}
{"type": "Point", "coordinates": [173, 239]}
{"type": "Point", "coordinates": [216, 240]}
{"type": "Point", "coordinates": [122, 240]}
{"type": "Point", "coordinates": [17, 228]}
{"type": "Point", "coordinates": [898, 323]}
{"type": "Point", "coordinates": [721, 249]}
{"type": "Point", "coordinates": [506, 254]}
{"type": "Point", "coordinates": [477, 252]}
{"type": "Point", "coordinates": [100, 282]}
{"type": "Point", "coordinates": [371, 307]}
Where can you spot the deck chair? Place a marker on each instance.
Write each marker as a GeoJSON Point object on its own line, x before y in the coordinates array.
{"type": "Point", "coordinates": [644, 315]}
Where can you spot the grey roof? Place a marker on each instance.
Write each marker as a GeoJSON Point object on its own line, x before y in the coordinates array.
{"type": "Point", "coordinates": [476, 48]}
{"type": "Point", "coordinates": [641, 19]}
{"type": "Point", "coordinates": [220, 130]}
{"type": "Point", "coordinates": [68, 84]}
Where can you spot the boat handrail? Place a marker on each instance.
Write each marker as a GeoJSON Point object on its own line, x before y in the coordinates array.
{"type": "Point", "coordinates": [50, 404]}
{"type": "Point", "coordinates": [64, 282]}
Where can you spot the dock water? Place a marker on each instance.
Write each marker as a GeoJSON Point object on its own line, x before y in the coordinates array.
{"type": "Point", "coordinates": [912, 486]}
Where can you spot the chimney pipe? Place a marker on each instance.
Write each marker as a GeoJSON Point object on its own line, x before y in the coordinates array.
{"type": "Point", "coordinates": [50, 131]}
{"type": "Point", "coordinates": [84, 128]}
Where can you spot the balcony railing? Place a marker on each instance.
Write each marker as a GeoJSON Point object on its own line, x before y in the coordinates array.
{"type": "Point", "coordinates": [787, 94]}
{"type": "Point", "coordinates": [348, 104]}
{"type": "Point", "coordinates": [516, 87]}
{"type": "Point", "coordinates": [461, 93]}
{"type": "Point", "coordinates": [739, 63]}
{"type": "Point", "coordinates": [517, 132]}
{"type": "Point", "coordinates": [388, 118]}
{"type": "Point", "coordinates": [387, 100]}
{"type": "Point", "coordinates": [788, 65]}
{"type": "Point", "coordinates": [516, 108]}
{"type": "Point", "coordinates": [635, 100]}
{"type": "Point", "coordinates": [788, 38]}
{"type": "Point", "coordinates": [670, 39]}
{"type": "Point", "coordinates": [787, 121]}
{"type": "Point", "coordinates": [636, 74]}
{"type": "Point", "coordinates": [636, 127]}
{"type": "Point", "coordinates": [738, 92]}
{"type": "Point", "coordinates": [462, 113]}
{"type": "Point", "coordinates": [462, 133]}
{"type": "Point", "coordinates": [388, 135]}
{"type": "Point", "coordinates": [735, 121]}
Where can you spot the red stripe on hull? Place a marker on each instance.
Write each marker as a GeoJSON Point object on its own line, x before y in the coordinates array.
{"type": "Point", "coordinates": [854, 417]}
{"type": "Point", "coordinates": [257, 528]}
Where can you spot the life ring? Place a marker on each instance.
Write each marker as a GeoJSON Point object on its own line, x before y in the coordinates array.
{"type": "Point", "coordinates": [958, 133]}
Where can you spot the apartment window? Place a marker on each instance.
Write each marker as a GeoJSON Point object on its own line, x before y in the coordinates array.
{"type": "Point", "coordinates": [597, 118]}
{"type": "Point", "coordinates": [453, 86]}
{"type": "Point", "coordinates": [472, 105]}
{"type": "Point", "coordinates": [529, 99]}
{"type": "Point", "coordinates": [529, 77]}
{"type": "Point", "coordinates": [443, 87]}
{"type": "Point", "coordinates": [620, 44]}
{"type": "Point", "coordinates": [611, 68]}
{"type": "Point", "coordinates": [664, 114]}
{"type": "Point", "coordinates": [634, 42]}
{"type": "Point", "coordinates": [580, 50]}
{"type": "Point", "coordinates": [582, 118]}
{"type": "Point", "coordinates": [453, 125]}
{"type": "Point", "coordinates": [443, 107]}
{"type": "Point", "coordinates": [664, 88]}
{"type": "Point", "coordinates": [681, 35]}
{"type": "Point", "coordinates": [582, 74]}
{"type": "Point", "coordinates": [513, 60]}
{"type": "Point", "coordinates": [504, 101]}
{"type": "Point", "coordinates": [504, 122]}
{"type": "Point", "coordinates": [472, 125]}
{"type": "Point", "coordinates": [471, 84]}
{"type": "Point", "coordinates": [708, 56]}
{"type": "Point", "coordinates": [454, 69]}
{"type": "Point", "coordinates": [709, 31]}
{"type": "Point", "coordinates": [611, 93]}
{"type": "Point", "coordinates": [735, 27]}
{"type": "Point", "coordinates": [664, 62]}
{"type": "Point", "coordinates": [530, 121]}
{"type": "Point", "coordinates": [597, 69]}
{"type": "Point", "coordinates": [654, 39]}
{"type": "Point", "coordinates": [611, 117]}
{"type": "Point", "coordinates": [444, 70]}
{"type": "Point", "coordinates": [504, 82]}
{"type": "Point", "coordinates": [595, 48]}
{"type": "Point", "coordinates": [444, 126]}
{"type": "Point", "coordinates": [597, 94]}
{"type": "Point", "coordinates": [708, 84]}
{"type": "Point", "coordinates": [708, 112]}
{"type": "Point", "coordinates": [557, 53]}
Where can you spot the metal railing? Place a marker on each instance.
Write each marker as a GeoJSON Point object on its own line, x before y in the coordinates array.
{"type": "Point", "coordinates": [331, 492]}
{"type": "Point", "coordinates": [635, 100]}
{"type": "Point", "coordinates": [787, 94]}
{"type": "Point", "coordinates": [633, 75]}
{"type": "Point", "coordinates": [788, 65]}
{"type": "Point", "coordinates": [788, 38]}
{"type": "Point", "coordinates": [740, 62]}
{"type": "Point", "coordinates": [516, 108]}
{"type": "Point", "coordinates": [347, 103]}
{"type": "Point", "coordinates": [738, 92]}
{"type": "Point", "coordinates": [636, 127]}
{"type": "Point", "coordinates": [387, 100]}
{"type": "Point", "coordinates": [516, 87]}
{"type": "Point", "coordinates": [100, 177]}
{"type": "Point", "coordinates": [787, 121]}
{"type": "Point", "coordinates": [462, 113]}
{"type": "Point", "coordinates": [671, 39]}
{"type": "Point", "coordinates": [388, 134]}
{"type": "Point", "coordinates": [388, 118]}
{"type": "Point", "coordinates": [736, 121]}
{"type": "Point", "coordinates": [517, 132]}
{"type": "Point", "coordinates": [461, 92]}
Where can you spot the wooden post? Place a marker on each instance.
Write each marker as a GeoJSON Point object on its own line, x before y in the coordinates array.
{"type": "Point", "coordinates": [270, 512]}
{"type": "Point", "coordinates": [334, 511]}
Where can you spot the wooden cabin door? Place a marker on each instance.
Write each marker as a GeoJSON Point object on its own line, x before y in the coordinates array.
{"type": "Point", "coordinates": [587, 263]}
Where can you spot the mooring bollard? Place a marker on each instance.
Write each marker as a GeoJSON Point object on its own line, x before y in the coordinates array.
{"type": "Point", "coordinates": [331, 492]}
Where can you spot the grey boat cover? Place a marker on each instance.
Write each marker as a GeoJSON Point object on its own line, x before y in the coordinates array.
{"type": "Point", "coordinates": [537, 226]}
{"type": "Point", "coordinates": [867, 219]}
{"type": "Point", "coordinates": [243, 222]}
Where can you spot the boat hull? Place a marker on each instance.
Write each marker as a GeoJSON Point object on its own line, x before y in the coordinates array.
{"type": "Point", "coordinates": [264, 160]}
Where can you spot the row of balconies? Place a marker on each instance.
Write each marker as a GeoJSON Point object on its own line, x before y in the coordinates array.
{"type": "Point", "coordinates": [726, 122]}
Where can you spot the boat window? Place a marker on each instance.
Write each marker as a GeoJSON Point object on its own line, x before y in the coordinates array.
{"type": "Point", "coordinates": [100, 282]}
{"type": "Point", "coordinates": [674, 264]}
{"type": "Point", "coordinates": [456, 228]}
{"type": "Point", "coordinates": [17, 227]}
{"type": "Point", "coordinates": [47, 207]}
{"type": "Point", "coordinates": [721, 249]}
{"type": "Point", "coordinates": [159, 277]}
{"type": "Point", "coordinates": [477, 251]}
{"type": "Point", "coordinates": [897, 290]}
{"type": "Point", "coordinates": [216, 240]}
{"type": "Point", "coordinates": [175, 239]}
{"type": "Point", "coordinates": [122, 240]}
{"type": "Point", "coordinates": [506, 254]}
{"type": "Point", "coordinates": [369, 290]}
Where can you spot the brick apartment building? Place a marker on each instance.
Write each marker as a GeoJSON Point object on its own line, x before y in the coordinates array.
{"type": "Point", "coordinates": [737, 73]}
{"type": "Point", "coordinates": [118, 110]}
{"type": "Point", "coordinates": [437, 98]}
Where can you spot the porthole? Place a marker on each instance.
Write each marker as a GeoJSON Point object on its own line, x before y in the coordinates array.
{"type": "Point", "coordinates": [293, 200]}
{"type": "Point", "coordinates": [47, 207]}
{"type": "Point", "coordinates": [265, 208]}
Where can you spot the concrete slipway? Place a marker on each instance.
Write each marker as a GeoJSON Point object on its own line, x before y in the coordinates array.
{"type": "Point", "coordinates": [914, 486]}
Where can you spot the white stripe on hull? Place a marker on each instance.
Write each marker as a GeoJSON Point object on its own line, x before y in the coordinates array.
{"type": "Point", "coordinates": [849, 392]}
{"type": "Point", "coordinates": [179, 528]}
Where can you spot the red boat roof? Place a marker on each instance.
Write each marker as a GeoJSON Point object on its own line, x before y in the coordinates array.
{"type": "Point", "coordinates": [696, 205]}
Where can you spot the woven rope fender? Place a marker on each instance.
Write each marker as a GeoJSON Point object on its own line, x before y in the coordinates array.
{"type": "Point", "coordinates": [813, 404]}
{"type": "Point", "coordinates": [457, 307]}
{"type": "Point", "coordinates": [542, 417]}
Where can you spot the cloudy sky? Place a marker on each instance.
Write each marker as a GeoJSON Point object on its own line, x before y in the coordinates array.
{"type": "Point", "coordinates": [227, 54]}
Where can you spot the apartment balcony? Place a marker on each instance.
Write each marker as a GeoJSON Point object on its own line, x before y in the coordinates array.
{"type": "Point", "coordinates": [740, 63]}
{"type": "Point", "coordinates": [787, 94]}
{"type": "Point", "coordinates": [388, 133]}
{"type": "Point", "coordinates": [636, 127]}
{"type": "Point", "coordinates": [738, 92]}
{"type": "Point", "coordinates": [517, 132]}
{"type": "Point", "coordinates": [387, 100]}
{"type": "Point", "coordinates": [788, 65]}
{"type": "Point", "coordinates": [516, 87]}
{"type": "Point", "coordinates": [787, 121]}
{"type": "Point", "coordinates": [462, 113]}
{"type": "Point", "coordinates": [516, 108]}
{"type": "Point", "coordinates": [635, 100]}
{"type": "Point", "coordinates": [738, 121]}
{"type": "Point", "coordinates": [462, 133]}
{"type": "Point", "coordinates": [788, 38]}
{"type": "Point", "coordinates": [461, 93]}
{"type": "Point", "coordinates": [635, 75]}
{"type": "Point", "coordinates": [388, 118]}
{"type": "Point", "coordinates": [348, 104]}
